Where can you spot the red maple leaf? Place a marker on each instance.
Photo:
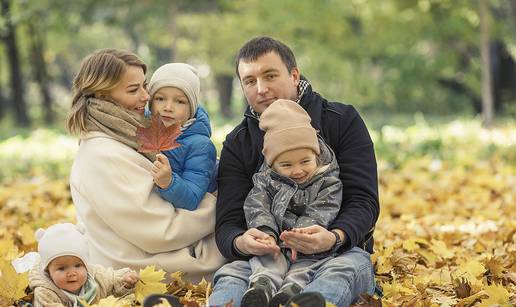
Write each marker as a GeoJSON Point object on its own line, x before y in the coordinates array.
{"type": "Point", "coordinates": [157, 137]}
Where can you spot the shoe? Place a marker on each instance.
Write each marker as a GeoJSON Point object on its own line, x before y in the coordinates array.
{"type": "Point", "coordinates": [155, 299]}
{"type": "Point", "coordinates": [308, 299]}
{"type": "Point", "coordinates": [259, 294]}
{"type": "Point", "coordinates": [284, 294]}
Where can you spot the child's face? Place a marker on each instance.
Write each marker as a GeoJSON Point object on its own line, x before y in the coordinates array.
{"type": "Point", "coordinates": [298, 164]}
{"type": "Point", "coordinates": [172, 104]}
{"type": "Point", "coordinates": [68, 273]}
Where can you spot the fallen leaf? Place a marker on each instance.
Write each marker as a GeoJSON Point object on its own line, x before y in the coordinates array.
{"type": "Point", "coordinates": [498, 295]}
{"type": "Point", "coordinates": [12, 284]}
{"type": "Point", "coordinates": [157, 137]}
{"type": "Point", "coordinates": [150, 283]}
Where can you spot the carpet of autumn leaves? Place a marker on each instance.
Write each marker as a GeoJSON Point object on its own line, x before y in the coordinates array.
{"type": "Point", "coordinates": [445, 237]}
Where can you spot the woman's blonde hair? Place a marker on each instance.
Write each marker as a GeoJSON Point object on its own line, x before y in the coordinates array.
{"type": "Point", "coordinates": [100, 72]}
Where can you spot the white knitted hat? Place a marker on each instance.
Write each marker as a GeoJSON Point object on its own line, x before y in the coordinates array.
{"type": "Point", "coordinates": [181, 76]}
{"type": "Point", "coordinates": [61, 240]}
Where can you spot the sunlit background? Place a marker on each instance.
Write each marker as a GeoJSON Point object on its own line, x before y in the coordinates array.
{"type": "Point", "coordinates": [435, 81]}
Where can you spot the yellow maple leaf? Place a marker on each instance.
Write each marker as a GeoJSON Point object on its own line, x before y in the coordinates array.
{"type": "Point", "coordinates": [498, 295]}
{"type": "Point", "coordinates": [410, 245]}
{"type": "Point", "coordinates": [471, 299]}
{"type": "Point", "coordinates": [109, 301]}
{"type": "Point", "coordinates": [8, 251]}
{"type": "Point", "coordinates": [150, 283]}
{"type": "Point", "coordinates": [429, 256]}
{"type": "Point", "coordinates": [495, 267]}
{"type": "Point", "coordinates": [440, 248]}
{"type": "Point", "coordinates": [12, 284]}
{"type": "Point", "coordinates": [390, 290]}
{"type": "Point", "coordinates": [27, 235]}
{"type": "Point", "coordinates": [471, 271]}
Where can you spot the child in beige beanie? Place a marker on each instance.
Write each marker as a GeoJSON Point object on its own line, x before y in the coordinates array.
{"type": "Point", "coordinates": [297, 186]}
{"type": "Point", "coordinates": [183, 175]}
{"type": "Point", "coordinates": [64, 276]}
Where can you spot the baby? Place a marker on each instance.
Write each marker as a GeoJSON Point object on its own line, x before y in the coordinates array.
{"type": "Point", "coordinates": [64, 275]}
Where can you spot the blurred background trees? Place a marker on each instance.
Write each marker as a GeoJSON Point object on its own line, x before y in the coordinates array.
{"type": "Point", "coordinates": [397, 56]}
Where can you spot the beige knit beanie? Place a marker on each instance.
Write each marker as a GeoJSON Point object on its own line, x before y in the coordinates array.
{"type": "Point", "coordinates": [287, 127]}
{"type": "Point", "coordinates": [181, 76]}
{"type": "Point", "coordinates": [64, 239]}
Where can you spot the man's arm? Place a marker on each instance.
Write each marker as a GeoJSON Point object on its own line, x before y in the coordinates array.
{"type": "Point", "coordinates": [234, 240]}
{"type": "Point", "coordinates": [355, 153]}
{"type": "Point", "coordinates": [233, 187]}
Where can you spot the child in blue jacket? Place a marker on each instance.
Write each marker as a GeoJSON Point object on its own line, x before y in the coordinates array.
{"type": "Point", "coordinates": [184, 174]}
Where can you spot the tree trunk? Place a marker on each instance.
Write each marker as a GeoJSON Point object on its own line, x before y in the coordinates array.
{"type": "Point", "coordinates": [3, 104]}
{"type": "Point", "coordinates": [17, 99]}
{"type": "Point", "coordinates": [40, 71]}
{"type": "Point", "coordinates": [487, 90]}
{"type": "Point", "coordinates": [225, 89]}
{"type": "Point", "coordinates": [65, 77]}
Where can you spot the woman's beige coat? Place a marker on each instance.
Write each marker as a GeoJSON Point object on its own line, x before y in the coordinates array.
{"type": "Point", "coordinates": [128, 224]}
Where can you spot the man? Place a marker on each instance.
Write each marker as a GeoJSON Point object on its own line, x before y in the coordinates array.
{"type": "Point", "coordinates": [268, 71]}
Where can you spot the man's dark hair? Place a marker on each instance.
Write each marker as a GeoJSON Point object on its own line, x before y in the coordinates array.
{"type": "Point", "coordinates": [259, 46]}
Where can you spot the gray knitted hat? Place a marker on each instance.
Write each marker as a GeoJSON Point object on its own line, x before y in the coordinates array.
{"type": "Point", "coordinates": [181, 76]}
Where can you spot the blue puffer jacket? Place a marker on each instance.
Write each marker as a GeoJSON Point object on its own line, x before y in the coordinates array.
{"type": "Point", "coordinates": [193, 165]}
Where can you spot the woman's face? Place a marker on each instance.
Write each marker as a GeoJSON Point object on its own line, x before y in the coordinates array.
{"type": "Point", "coordinates": [131, 92]}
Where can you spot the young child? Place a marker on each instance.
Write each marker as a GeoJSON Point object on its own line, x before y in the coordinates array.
{"type": "Point", "coordinates": [184, 174]}
{"type": "Point", "coordinates": [64, 276]}
{"type": "Point", "coordinates": [297, 186]}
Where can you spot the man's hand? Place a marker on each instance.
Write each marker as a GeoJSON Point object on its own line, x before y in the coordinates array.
{"type": "Point", "coordinates": [258, 243]}
{"type": "Point", "coordinates": [129, 279]}
{"type": "Point", "coordinates": [161, 171]}
{"type": "Point", "coordinates": [308, 240]}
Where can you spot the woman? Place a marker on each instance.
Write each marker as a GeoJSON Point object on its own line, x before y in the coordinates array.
{"type": "Point", "coordinates": [127, 223]}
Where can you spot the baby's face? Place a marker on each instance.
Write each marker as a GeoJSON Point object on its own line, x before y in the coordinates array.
{"type": "Point", "coordinates": [172, 104]}
{"type": "Point", "coordinates": [68, 273]}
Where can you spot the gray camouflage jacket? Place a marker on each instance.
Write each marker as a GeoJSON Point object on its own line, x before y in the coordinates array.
{"type": "Point", "coordinates": [277, 203]}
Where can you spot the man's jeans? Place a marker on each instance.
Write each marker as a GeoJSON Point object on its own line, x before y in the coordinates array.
{"type": "Point", "coordinates": [340, 280]}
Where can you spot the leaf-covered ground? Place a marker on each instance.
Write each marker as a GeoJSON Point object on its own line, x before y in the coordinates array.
{"type": "Point", "coordinates": [445, 237]}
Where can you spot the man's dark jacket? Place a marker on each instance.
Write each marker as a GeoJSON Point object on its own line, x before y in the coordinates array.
{"type": "Point", "coordinates": [344, 131]}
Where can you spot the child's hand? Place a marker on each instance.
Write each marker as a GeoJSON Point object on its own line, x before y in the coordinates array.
{"type": "Point", "coordinates": [129, 279]}
{"type": "Point", "coordinates": [269, 241]}
{"type": "Point", "coordinates": [161, 171]}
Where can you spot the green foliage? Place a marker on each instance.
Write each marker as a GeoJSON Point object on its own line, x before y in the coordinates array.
{"type": "Point", "coordinates": [43, 152]}
{"type": "Point", "coordinates": [391, 56]}
{"type": "Point", "coordinates": [462, 141]}
{"type": "Point", "coordinates": [459, 142]}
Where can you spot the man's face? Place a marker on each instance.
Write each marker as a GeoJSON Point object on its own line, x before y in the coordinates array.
{"type": "Point", "coordinates": [267, 80]}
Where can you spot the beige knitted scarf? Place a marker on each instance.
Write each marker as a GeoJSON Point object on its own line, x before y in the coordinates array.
{"type": "Point", "coordinates": [115, 121]}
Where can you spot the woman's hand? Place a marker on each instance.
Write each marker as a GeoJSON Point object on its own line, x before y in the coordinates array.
{"type": "Point", "coordinates": [161, 171]}
{"type": "Point", "coordinates": [308, 240]}
{"type": "Point", "coordinates": [256, 242]}
{"type": "Point", "coordinates": [129, 279]}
